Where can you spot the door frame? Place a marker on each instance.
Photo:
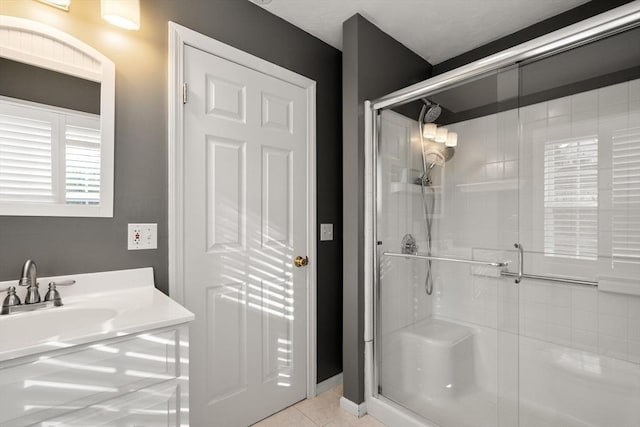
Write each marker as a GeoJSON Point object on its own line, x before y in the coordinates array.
{"type": "Point", "coordinates": [179, 37]}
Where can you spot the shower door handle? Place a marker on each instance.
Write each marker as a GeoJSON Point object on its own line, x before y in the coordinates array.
{"type": "Point", "coordinates": [518, 246]}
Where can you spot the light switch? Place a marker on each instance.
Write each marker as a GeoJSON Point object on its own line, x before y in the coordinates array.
{"type": "Point", "coordinates": [326, 232]}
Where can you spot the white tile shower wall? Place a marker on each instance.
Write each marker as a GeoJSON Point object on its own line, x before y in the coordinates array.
{"type": "Point", "coordinates": [582, 318]}
{"type": "Point", "coordinates": [579, 317]}
{"type": "Point", "coordinates": [603, 115]}
{"type": "Point", "coordinates": [403, 300]}
{"type": "Point", "coordinates": [483, 210]}
{"type": "Point", "coordinates": [479, 221]}
{"type": "Point", "coordinates": [560, 386]}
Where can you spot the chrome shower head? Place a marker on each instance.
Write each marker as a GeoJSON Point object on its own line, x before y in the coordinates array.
{"type": "Point", "coordinates": [433, 153]}
{"type": "Point", "coordinates": [431, 111]}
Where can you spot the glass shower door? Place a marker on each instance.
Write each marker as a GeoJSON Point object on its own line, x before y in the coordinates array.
{"type": "Point", "coordinates": [580, 227]}
{"type": "Point", "coordinates": [447, 320]}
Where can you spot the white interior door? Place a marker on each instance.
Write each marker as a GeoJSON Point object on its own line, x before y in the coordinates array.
{"type": "Point", "coordinates": [245, 220]}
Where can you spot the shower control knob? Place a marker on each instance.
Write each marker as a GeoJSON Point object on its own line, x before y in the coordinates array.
{"type": "Point", "coordinates": [300, 261]}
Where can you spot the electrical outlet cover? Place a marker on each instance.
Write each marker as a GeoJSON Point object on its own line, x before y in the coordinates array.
{"type": "Point", "coordinates": [142, 236]}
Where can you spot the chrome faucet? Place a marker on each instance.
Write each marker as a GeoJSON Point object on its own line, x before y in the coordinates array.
{"type": "Point", "coordinates": [32, 301]}
{"type": "Point", "coordinates": [28, 277]}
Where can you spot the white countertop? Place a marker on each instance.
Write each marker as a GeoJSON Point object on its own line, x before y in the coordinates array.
{"type": "Point", "coordinates": [99, 306]}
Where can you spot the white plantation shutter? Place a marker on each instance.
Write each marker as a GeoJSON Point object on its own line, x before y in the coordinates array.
{"type": "Point", "coordinates": [82, 164]}
{"type": "Point", "coordinates": [48, 154]}
{"type": "Point", "coordinates": [571, 198]}
{"type": "Point", "coordinates": [626, 197]}
{"type": "Point", "coordinates": [25, 156]}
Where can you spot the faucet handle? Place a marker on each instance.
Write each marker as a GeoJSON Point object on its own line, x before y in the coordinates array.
{"type": "Point", "coordinates": [10, 300]}
{"type": "Point", "coordinates": [53, 294]}
{"type": "Point", "coordinates": [9, 290]}
{"type": "Point", "coordinates": [68, 282]}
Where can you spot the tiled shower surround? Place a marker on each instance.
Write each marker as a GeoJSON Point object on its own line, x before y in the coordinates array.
{"type": "Point", "coordinates": [483, 178]}
{"type": "Point", "coordinates": [562, 178]}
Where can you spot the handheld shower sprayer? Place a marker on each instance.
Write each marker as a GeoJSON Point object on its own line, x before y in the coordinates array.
{"type": "Point", "coordinates": [435, 152]}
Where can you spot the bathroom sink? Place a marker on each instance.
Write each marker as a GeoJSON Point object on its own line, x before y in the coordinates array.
{"type": "Point", "coordinates": [61, 319]}
{"type": "Point", "coordinates": [51, 326]}
{"type": "Point", "coordinates": [99, 306]}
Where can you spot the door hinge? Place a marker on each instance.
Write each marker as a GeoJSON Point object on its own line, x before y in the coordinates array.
{"type": "Point", "coordinates": [184, 93]}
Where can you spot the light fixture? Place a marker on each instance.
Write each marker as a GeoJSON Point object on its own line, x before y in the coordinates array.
{"type": "Point", "coordinates": [60, 4]}
{"type": "Point", "coordinates": [441, 135]}
{"type": "Point", "coordinates": [452, 139]}
{"type": "Point", "coordinates": [123, 13]}
{"type": "Point", "coordinates": [429, 130]}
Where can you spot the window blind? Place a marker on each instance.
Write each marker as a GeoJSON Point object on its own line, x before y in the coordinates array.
{"type": "Point", "coordinates": [48, 154]}
{"type": "Point", "coordinates": [626, 196]}
{"type": "Point", "coordinates": [571, 198]}
{"type": "Point", "coordinates": [82, 165]}
{"type": "Point", "coordinates": [26, 171]}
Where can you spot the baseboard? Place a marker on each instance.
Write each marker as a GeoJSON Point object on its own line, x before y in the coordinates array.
{"type": "Point", "coordinates": [329, 383]}
{"type": "Point", "coordinates": [353, 408]}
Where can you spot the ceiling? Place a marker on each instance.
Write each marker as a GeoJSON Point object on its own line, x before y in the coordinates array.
{"type": "Point", "coordinates": [435, 29]}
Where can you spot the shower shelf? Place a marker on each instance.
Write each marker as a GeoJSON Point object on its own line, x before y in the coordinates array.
{"type": "Point", "coordinates": [436, 258]}
{"type": "Point", "coordinates": [496, 185]}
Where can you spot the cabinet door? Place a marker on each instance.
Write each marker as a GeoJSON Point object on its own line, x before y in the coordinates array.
{"type": "Point", "coordinates": [52, 384]}
{"type": "Point", "coordinates": [156, 406]}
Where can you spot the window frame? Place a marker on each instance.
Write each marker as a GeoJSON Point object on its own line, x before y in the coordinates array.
{"type": "Point", "coordinates": [59, 207]}
{"type": "Point", "coordinates": [588, 144]}
{"type": "Point", "coordinates": [74, 57]}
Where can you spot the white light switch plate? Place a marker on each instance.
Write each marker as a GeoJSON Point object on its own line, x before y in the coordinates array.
{"type": "Point", "coordinates": [142, 236]}
{"type": "Point", "coordinates": [326, 231]}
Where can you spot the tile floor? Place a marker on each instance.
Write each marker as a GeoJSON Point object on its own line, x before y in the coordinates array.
{"type": "Point", "coordinates": [322, 410]}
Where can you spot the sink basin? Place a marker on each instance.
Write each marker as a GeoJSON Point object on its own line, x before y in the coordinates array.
{"type": "Point", "coordinates": [53, 324]}
{"type": "Point", "coordinates": [99, 306]}
{"type": "Point", "coordinates": [63, 317]}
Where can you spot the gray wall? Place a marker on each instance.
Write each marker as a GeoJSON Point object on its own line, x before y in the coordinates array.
{"type": "Point", "coordinates": [35, 84]}
{"type": "Point", "coordinates": [77, 245]}
{"type": "Point", "coordinates": [373, 64]}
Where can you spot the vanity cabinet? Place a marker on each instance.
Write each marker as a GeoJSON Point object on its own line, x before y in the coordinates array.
{"type": "Point", "coordinates": [155, 406]}
{"type": "Point", "coordinates": [134, 380]}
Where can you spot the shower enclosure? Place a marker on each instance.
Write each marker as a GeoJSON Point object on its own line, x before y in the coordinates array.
{"type": "Point", "coordinates": [503, 233]}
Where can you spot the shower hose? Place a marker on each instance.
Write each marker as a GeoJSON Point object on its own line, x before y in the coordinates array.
{"type": "Point", "coordinates": [429, 208]}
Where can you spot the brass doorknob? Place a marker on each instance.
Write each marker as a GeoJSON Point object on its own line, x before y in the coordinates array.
{"type": "Point", "coordinates": [300, 261]}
